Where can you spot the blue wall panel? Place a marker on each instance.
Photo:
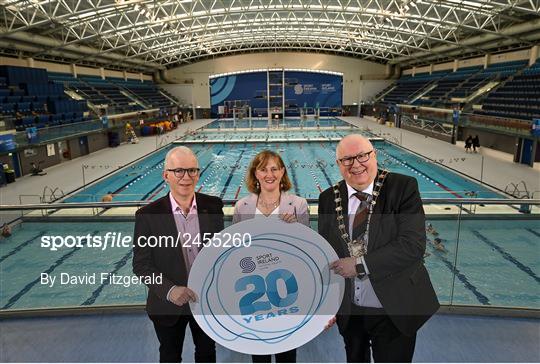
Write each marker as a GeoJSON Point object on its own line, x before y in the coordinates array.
{"type": "Point", "coordinates": [302, 88]}
{"type": "Point", "coordinates": [244, 86]}
{"type": "Point", "coordinates": [310, 88]}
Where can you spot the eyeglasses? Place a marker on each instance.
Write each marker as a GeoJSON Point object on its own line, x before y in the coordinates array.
{"type": "Point", "coordinates": [361, 157]}
{"type": "Point", "coordinates": [180, 172]}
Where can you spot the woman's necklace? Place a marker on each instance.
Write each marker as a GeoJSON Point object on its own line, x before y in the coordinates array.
{"type": "Point", "coordinates": [268, 205]}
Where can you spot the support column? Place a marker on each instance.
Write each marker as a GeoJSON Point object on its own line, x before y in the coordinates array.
{"type": "Point", "coordinates": [30, 62]}
{"type": "Point", "coordinates": [431, 68]}
{"type": "Point", "coordinates": [388, 71]}
{"type": "Point", "coordinates": [141, 77]}
{"type": "Point", "coordinates": [456, 65]}
{"type": "Point", "coordinates": [413, 71]}
{"type": "Point", "coordinates": [102, 72]}
{"type": "Point", "coordinates": [398, 71]}
{"type": "Point", "coordinates": [534, 55]}
{"type": "Point", "coordinates": [125, 75]}
{"type": "Point", "coordinates": [487, 60]}
{"type": "Point", "coordinates": [74, 70]}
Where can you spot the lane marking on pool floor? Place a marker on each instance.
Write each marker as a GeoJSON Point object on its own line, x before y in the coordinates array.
{"type": "Point", "coordinates": [533, 232]}
{"type": "Point", "coordinates": [22, 245]}
{"type": "Point", "coordinates": [463, 279]}
{"type": "Point", "coordinates": [420, 173]}
{"type": "Point", "coordinates": [117, 266]}
{"type": "Point", "coordinates": [509, 257]}
{"type": "Point", "coordinates": [231, 174]}
{"type": "Point", "coordinates": [49, 270]}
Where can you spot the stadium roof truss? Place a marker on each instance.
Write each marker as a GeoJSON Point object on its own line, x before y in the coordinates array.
{"type": "Point", "coordinates": [148, 35]}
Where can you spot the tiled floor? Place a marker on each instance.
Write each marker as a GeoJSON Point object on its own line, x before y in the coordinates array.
{"type": "Point", "coordinates": [131, 338]}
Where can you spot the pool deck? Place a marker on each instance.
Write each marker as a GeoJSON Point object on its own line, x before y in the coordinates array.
{"type": "Point", "coordinates": [499, 170]}
{"type": "Point", "coordinates": [68, 176]}
{"type": "Point", "coordinates": [131, 338]}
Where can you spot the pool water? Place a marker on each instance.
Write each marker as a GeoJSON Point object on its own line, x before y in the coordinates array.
{"type": "Point", "coordinates": [287, 122]}
{"type": "Point", "coordinates": [495, 262]}
{"type": "Point", "coordinates": [310, 164]}
{"type": "Point", "coordinates": [493, 265]}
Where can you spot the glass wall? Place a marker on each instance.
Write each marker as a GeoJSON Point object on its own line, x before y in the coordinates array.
{"type": "Point", "coordinates": [478, 254]}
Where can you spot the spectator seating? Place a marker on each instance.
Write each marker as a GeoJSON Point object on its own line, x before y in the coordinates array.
{"type": "Point", "coordinates": [28, 98]}
{"type": "Point", "coordinates": [407, 86]}
{"type": "Point", "coordinates": [517, 98]}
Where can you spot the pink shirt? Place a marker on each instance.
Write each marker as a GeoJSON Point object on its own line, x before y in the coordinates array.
{"type": "Point", "coordinates": [188, 228]}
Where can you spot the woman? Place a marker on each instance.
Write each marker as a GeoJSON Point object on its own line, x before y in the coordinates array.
{"type": "Point", "coordinates": [476, 143]}
{"type": "Point", "coordinates": [268, 182]}
{"type": "Point", "coordinates": [468, 144]}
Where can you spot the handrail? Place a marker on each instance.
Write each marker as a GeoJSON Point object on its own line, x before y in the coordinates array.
{"type": "Point", "coordinates": [52, 194]}
{"type": "Point", "coordinates": [44, 193]}
{"type": "Point", "coordinates": [516, 192]}
{"type": "Point", "coordinates": [426, 201]}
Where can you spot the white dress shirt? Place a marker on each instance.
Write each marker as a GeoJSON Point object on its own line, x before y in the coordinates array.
{"type": "Point", "coordinates": [364, 295]}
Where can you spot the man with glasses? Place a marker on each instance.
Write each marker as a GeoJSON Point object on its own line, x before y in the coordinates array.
{"type": "Point", "coordinates": [185, 217]}
{"type": "Point", "coordinates": [375, 222]}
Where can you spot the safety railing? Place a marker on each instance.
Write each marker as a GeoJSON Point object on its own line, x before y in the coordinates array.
{"type": "Point", "coordinates": [484, 261]}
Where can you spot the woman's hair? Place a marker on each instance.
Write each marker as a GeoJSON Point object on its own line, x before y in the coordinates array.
{"type": "Point", "coordinates": [260, 161]}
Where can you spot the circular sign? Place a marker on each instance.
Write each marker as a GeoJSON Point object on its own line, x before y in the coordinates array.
{"type": "Point", "coordinates": [264, 286]}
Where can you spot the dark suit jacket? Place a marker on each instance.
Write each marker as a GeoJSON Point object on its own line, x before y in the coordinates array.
{"type": "Point", "coordinates": [397, 242]}
{"type": "Point", "coordinates": [156, 219]}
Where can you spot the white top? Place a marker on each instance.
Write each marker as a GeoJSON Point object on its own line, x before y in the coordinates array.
{"type": "Point", "coordinates": [364, 295]}
{"type": "Point", "coordinates": [259, 212]}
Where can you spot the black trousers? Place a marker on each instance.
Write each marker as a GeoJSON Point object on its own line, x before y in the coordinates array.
{"type": "Point", "coordinates": [171, 341]}
{"type": "Point", "coordinates": [371, 332]}
{"type": "Point", "coordinates": [285, 357]}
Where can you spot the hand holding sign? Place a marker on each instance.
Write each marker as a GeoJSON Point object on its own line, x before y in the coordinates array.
{"type": "Point", "coordinates": [271, 297]}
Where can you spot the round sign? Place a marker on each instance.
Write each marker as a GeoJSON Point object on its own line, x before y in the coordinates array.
{"type": "Point", "coordinates": [264, 286]}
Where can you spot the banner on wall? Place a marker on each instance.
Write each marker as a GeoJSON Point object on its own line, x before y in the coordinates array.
{"type": "Point", "coordinates": [7, 143]}
{"type": "Point", "coordinates": [237, 91]}
{"type": "Point", "coordinates": [302, 89]}
{"type": "Point", "coordinates": [270, 290]}
{"type": "Point", "coordinates": [313, 90]}
{"type": "Point", "coordinates": [32, 134]}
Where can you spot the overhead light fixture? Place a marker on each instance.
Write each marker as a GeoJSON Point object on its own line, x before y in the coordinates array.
{"type": "Point", "coordinates": [413, 4]}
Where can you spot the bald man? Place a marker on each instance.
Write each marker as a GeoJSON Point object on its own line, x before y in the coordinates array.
{"type": "Point", "coordinates": [182, 211]}
{"type": "Point", "coordinates": [375, 222]}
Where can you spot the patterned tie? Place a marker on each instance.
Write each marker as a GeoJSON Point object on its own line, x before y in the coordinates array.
{"type": "Point", "coordinates": [360, 218]}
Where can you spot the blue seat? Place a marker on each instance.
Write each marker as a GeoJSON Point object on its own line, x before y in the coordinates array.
{"type": "Point", "coordinates": [38, 106]}
{"type": "Point", "coordinates": [23, 107]}
{"type": "Point", "coordinates": [12, 99]}
{"type": "Point", "coordinates": [7, 108]}
{"type": "Point", "coordinates": [28, 121]}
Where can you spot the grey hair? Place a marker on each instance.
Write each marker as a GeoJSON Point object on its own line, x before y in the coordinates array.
{"type": "Point", "coordinates": [178, 150]}
{"type": "Point", "coordinates": [350, 136]}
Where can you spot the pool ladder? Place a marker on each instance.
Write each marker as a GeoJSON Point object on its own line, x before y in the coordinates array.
{"type": "Point", "coordinates": [54, 194]}
{"type": "Point", "coordinates": [513, 189]}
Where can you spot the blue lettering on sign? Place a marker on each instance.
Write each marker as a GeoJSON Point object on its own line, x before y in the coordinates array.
{"type": "Point", "coordinates": [248, 304]}
{"type": "Point", "coordinates": [271, 314]}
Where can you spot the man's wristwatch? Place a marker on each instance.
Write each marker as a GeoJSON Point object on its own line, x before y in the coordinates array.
{"type": "Point", "coordinates": [360, 269]}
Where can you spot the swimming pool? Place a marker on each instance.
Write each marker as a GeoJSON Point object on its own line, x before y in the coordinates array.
{"type": "Point", "coordinates": [492, 265]}
{"type": "Point", "coordinates": [287, 122]}
{"type": "Point", "coordinates": [310, 164]}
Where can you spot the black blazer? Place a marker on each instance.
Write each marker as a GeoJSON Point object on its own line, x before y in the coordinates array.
{"type": "Point", "coordinates": [397, 242]}
{"type": "Point", "coordinates": [156, 219]}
